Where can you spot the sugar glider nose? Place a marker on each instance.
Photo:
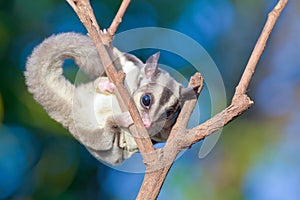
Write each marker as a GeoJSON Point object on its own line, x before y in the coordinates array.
{"type": "Point", "coordinates": [147, 124]}
{"type": "Point", "coordinates": [147, 121]}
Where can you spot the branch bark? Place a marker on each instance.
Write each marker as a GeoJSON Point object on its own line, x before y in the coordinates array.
{"type": "Point", "coordinates": [87, 17]}
{"type": "Point", "coordinates": [157, 172]}
{"type": "Point", "coordinates": [159, 161]}
{"type": "Point", "coordinates": [118, 18]}
{"type": "Point", "coordinates": [240, 101]}
{"type": "Point", "coordinates": [153, 180]}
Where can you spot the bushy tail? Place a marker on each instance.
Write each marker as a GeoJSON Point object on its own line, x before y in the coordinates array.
{"type": "Point", "coordinates": [44, 73]}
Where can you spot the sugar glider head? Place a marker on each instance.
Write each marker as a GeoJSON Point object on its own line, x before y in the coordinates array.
{"type": "Point", "coordinates": [158, 97]}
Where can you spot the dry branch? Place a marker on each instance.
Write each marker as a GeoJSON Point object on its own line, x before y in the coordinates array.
{"type": "Point", "coordinates": [240, 101]}
{"type": "Point", "coordinates": [158, 162]}
{"type": "Point", "coordinates": [118, 18]}
{"type": "Point", "coordinates": [156, 173]}
{"type": "Point", "coordinates": [87, 17]}
{"type": "Point", "coordinates": [153, 180]}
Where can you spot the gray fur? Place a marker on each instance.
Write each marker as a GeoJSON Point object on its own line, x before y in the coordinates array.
{"type": "Point", "coordinates": [79, 108]}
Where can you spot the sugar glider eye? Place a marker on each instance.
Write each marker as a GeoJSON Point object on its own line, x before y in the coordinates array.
{"type": "Point", "coordinates": [146, 101]}
{"type": "Point", "coordinates": [169, 112]}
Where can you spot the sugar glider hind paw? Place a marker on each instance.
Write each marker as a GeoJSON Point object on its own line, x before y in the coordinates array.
{"type": "Point", "coordinates": [104, 86]}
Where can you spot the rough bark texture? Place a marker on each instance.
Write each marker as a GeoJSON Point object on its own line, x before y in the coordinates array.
{"type": "Point", "coordinates": [159, 161]}
{"type": "Point", "coordinates": [87, 17]}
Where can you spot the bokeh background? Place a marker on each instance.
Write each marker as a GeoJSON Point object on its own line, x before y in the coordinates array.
{"type": "Point", "coordinates": [257, 155]}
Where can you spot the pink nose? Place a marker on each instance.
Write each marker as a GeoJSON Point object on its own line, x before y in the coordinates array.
{"type": "Point", "coordinates": [147, 124]}
{"type": "Point", "coordinates": [146, 120]}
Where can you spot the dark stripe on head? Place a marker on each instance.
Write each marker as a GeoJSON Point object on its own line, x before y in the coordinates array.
{"type": "Point", "coordinates": [165, 96]}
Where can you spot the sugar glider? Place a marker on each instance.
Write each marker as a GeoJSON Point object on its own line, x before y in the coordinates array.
{"type": "Point", "coordinates": [90, 111]}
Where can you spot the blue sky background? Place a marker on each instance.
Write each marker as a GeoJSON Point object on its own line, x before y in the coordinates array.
{"type": "Point", "coordinates": [257, 155]}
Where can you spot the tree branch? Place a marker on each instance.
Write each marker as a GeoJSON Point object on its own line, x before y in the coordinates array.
{"type": "Point", "coordinates": [158, 162]}
{"type": "Point", "coordinates": [87, 17]}
{"type": "Point", "coordinates": [118, 18]}
{"type": "Point", "coordinates": [240, 101]}
{"type": "Point", "coordinates": [259, 47]}
{"type": "Point", "coordinates": [157, 172]}
{"type": "Point", "coordinates": [181, 139]}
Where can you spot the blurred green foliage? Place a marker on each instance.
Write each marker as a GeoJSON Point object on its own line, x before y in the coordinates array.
{"type": "Point", "coordinates": [55, 166]}
{"type": "Point", "coordinates": [1, 109]}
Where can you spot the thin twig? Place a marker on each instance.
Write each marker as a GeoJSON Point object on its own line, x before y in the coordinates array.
{"type": "Point", "coordinates": [259, 47]}
{"type": "Point", "coordinates": [187, 109]}
{"type": "Point", "coordinates": [179, 138]}
{"type": "Point", "coordinates": [154, 180]}
{"type": "Point", "coordinates": [87, 17]}
{"type": "Point", "coordinates": [118, 18]}
{"type": "Point", "coordinates": [240, 105]}
{"type": "Point", "coordinates": [156, 173]}
{"type": "Point", "coordinates": [240, 101]}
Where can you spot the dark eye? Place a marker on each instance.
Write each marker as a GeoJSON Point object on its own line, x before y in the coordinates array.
{"type": "Point", "coordinates": [146, 100]}
{"type": "Point", "coordinates": [169, 112]}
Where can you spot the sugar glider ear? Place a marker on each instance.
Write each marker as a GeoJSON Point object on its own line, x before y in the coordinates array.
{"type": "Point", "coordinates": [152, 65]}
{"type": "Point", "coordinates": [189, 93]}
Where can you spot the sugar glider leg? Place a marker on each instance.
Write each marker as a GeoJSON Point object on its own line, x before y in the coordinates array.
{"type": "Point", "coordinates": [104, 86]}
{"type": "Point", "coordinates": [124, 119]}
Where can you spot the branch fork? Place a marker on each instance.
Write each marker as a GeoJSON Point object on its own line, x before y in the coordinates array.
{"type": "Point", "coordinates": [159, 161]}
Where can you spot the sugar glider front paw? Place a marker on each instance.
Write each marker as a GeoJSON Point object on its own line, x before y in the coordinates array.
{"type": "Point", "coordinates": [124, 119]}
{"type": "Point", "coordinates": [104, 86]}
